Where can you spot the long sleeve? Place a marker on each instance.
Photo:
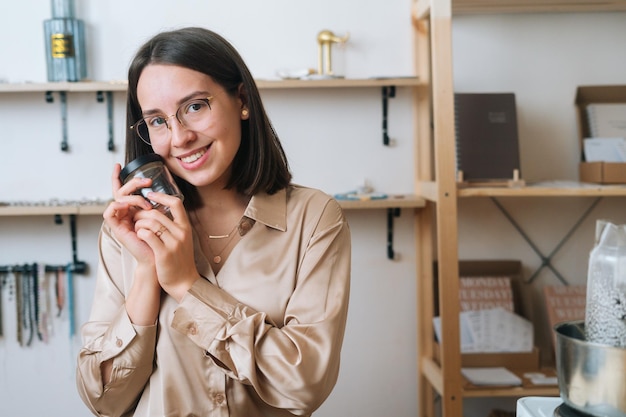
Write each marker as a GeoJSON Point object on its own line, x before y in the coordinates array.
{"type": "Point", "coordinates": [110, 334]}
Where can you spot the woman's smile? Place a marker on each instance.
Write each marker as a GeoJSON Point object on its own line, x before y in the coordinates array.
{"type": "Point", "coordinates": [194, 159]}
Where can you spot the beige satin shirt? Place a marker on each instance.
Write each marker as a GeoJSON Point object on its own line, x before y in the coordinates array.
{"type": "Point", "coordinates": [262, 338]}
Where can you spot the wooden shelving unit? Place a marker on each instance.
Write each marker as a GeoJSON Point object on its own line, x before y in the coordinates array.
{"type": "Point", "coordinates": [437, 222]}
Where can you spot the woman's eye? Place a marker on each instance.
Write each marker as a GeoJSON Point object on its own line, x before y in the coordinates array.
{"type": "Point", "coordinates": [157, 121]}
{"type": "Point", "coordinates": [196, 106]}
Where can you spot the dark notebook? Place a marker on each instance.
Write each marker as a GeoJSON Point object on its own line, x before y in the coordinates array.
{"type": "Point", "coordinates": [486, 136]}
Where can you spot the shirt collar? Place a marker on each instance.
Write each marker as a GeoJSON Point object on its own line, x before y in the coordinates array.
{"type": "Point", "coordinates": [271, 210]}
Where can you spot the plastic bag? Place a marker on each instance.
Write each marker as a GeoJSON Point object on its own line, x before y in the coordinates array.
{"type": "Point", "coordinates": [605, 314]}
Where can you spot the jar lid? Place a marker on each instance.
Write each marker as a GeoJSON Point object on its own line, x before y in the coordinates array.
{"type": "Point", "coordinates": [137, 163]}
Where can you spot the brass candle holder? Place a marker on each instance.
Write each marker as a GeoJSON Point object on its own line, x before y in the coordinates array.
{"type": "Point", "coordinates": [325, 39]}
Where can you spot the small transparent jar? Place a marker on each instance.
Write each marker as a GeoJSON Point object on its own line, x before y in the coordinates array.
{"type": "Point", "coordinates": [605, 312]}
{"type": "Point", "coordinates": [152, 166]}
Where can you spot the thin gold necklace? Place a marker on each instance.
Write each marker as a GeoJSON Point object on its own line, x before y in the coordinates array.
{"type": "Point", "coordinates": [220, 236]}
{"type": "Point", "coordinates": [217, 258]}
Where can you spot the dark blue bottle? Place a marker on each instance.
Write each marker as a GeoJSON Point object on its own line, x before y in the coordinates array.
{"type": "Point", "coordinates": [65, 43]}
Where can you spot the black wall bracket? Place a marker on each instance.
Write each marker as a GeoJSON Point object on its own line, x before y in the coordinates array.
{"type": "Point", "coordinates": [387, 92]}
{"type": "Point", "coordinates": [391, 213]}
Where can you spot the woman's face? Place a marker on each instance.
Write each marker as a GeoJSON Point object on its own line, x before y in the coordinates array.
{"type": "Point", "coordinates": [202, 157]}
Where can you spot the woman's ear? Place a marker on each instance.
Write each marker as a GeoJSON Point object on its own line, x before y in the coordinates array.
{"type": "Point", "coordinates": [243, 98]}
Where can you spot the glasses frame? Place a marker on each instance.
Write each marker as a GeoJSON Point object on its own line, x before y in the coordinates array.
{"type": "Point", "coordinates": [135, 126]}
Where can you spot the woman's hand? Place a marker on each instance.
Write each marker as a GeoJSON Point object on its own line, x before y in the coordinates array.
{"type": "Point", "coordinates": [120, 213]}
{"type": "Point", "coordinates": [171, 242]}
{"type": "Point", "coordinates": [143, 298]}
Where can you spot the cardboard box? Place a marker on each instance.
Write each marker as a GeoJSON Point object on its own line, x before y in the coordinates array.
{"type": "Point", "coordinates": [499, 268]}
{"type": "Point", "coordinates": [522, 305]}
{"type": "Point", "coordinates": [598, 172]}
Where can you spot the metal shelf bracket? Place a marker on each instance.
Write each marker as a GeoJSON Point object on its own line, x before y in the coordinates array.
{"type": "Point", "coordinates": [387, 92]}
{"type": "Point", "coordinates": [391, 213]}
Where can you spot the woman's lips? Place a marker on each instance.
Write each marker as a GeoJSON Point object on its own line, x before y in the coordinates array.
{"type": "Point", "coordinates": [194, 159]}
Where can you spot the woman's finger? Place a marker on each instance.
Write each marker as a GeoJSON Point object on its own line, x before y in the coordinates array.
{"type": "Point", "coordinates": [175, 204]}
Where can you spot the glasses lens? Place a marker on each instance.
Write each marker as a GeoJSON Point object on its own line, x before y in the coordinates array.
{"type": "Point", "coordinates": [194, 114]}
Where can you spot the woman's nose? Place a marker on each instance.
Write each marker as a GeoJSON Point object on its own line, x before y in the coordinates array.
{"type": "Point", "coordinates": [180, 134]}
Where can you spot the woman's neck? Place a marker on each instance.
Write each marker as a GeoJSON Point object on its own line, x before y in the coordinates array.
{"type": "Point", "coordinates": [221, 210]}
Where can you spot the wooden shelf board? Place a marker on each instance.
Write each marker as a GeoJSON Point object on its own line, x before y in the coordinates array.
{"type": "Point", "coordinates": [91, 209]}
{"type": "Point", "coordinates": [572, 190]}
{"type": "Point", "coordinates": [83, 86]}
{"type": "Point", "coordinates": [540, 391]}
{"type": "Point", "coordinates": [37, 210]}
{"type": "Point", "coordinates": [409, 201]}
{"type": "Point", "coordinates": [535, 6]}
{"type": "Point", "coordinates": [93, 86]}
{"type": "Point", "coordinates": [406, 201]}
{"type": "Point", "coordinates": [421, 8]}
{"type": "Point", "coordinates": [339, 83]}
{"type": "Point", "coordinates": [433, 373]}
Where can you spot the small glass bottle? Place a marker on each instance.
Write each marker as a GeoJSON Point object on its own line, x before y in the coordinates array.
{"type": "Point", "coordinates": [65, 43]}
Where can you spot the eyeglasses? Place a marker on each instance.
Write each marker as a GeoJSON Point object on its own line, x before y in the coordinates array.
{"type": "Point", "coordinates": [192, 115]}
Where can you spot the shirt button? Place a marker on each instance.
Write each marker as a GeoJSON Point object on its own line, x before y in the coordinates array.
{"type": "Point", "coordinates": [245, 227]}
{"type": "Point", "coordinates": [219, 398]}
{"type": "Point", "coordinates": [118, 342]}
{"type": "Point", "coordinates": [192, 329]}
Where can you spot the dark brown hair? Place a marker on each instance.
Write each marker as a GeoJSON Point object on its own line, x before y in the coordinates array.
{"type": "Point", "coordinates": [260, 164]}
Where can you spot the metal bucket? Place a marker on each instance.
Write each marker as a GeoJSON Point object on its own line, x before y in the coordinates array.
{"type": "Point", "coordinates": [592, 377]}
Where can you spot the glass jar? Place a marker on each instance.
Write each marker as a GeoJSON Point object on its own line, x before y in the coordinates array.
{"type": "Point", "coordinates": [152, 166]}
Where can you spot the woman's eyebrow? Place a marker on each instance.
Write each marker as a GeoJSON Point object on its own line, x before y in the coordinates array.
{"type": "Point", "coordinates": [180, 101]}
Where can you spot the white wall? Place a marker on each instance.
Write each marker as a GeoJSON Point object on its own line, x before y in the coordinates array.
{"type": "Point", "coordinates": [338, 129]}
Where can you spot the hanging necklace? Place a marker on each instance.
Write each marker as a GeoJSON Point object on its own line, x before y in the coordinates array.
{"type": "Point", "coordinates": [220, 236]}
{"type": "Point", "coordinates": [217, 258]}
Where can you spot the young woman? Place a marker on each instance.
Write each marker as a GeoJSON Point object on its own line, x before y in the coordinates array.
{"type": "Point", "coordinates": [235, 304]}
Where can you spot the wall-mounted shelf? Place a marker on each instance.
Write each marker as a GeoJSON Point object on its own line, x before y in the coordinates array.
{"type": "Point", "coordinates": [340, 83]}
{"type": "Point", "coordinates": [95, 86]}
{"type": "Point", "coordinates": [407, 201]}
{"type": "Point", "coordinates": [82, 210]}
{"type": "Point", "coordinates": [78, 87]}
